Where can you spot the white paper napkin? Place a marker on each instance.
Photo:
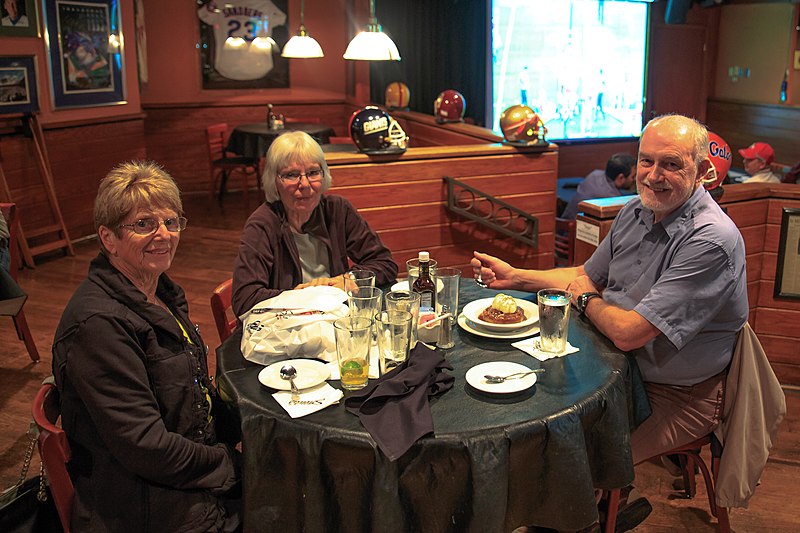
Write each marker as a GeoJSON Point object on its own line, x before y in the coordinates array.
{"type": "Point", "coordinates": [374, 365]}
{"type": "Point", "coordinates": [531, 347]}
{"type": "Point", "coordinates": [310, 401]}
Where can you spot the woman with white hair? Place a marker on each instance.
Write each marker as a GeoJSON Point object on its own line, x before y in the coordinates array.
{"type": "Point", "coordinates": [300, 236]}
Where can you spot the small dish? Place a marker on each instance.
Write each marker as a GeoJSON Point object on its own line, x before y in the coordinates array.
{"type": "Point", "coordinates": [473, 309]}
{"type": "Point", "coordinates": [310, 373]}
{"type": "Point", "coordinates": [475, 377]}
{"type": "Point", "coordinates": [521, 333]}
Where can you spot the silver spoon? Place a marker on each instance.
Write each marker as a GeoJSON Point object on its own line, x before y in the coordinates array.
{"type": "Point", "coordinates": [517, 375]}
{"type": "Point", "coordinates": [288, 372]}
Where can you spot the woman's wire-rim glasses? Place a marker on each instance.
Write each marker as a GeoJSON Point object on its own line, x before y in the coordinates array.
{"type": "Point", "coordinates": [293, 177]}
{"type": "Point", "coordinates": [147, 226]}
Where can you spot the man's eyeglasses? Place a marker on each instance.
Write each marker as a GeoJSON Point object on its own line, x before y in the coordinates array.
{"type": "Point", "coordinates": [147, 226]}
{"type": "Point", "coordinates": [293, 177]}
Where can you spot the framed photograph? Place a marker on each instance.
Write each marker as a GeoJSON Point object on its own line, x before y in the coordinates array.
{"type": "Point", "coordinates": [18, 18]}
{"type": "Point", "coordinates": [241, 43]}
{"type": "Point", "coordinates": [787, 274]}
{"type": "Point", "coordinates": [84, 52]}
{"type": "Point", "coordinates": [18, 92]}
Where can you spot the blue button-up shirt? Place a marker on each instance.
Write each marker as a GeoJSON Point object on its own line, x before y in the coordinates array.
{"type": "Point", "coordinates": [686, 276]}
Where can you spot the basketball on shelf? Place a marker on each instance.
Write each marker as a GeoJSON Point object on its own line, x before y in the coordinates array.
{"type": "Point", "coordinates": [397, 95]}
{"type": "Point", "coordinates": [374, 131]}
{"type": "Point", "coordinates": [521, 125]}
{"type": "Point", "coordinates": [449, 106]}
{"type": "Point", "coordinates": [720, 155]}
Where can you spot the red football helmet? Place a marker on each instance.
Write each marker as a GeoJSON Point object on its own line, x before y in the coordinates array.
{"type": "Point", "coordinates": [449, 106]}
{"type": "Point", "coordinates": [719, 153]}
{"type": "Point", "coordinates": [374, 131]}
{"type": "Point", "coordinates": [397, 95]}
{"type": "Point", "coordinates": [521, 124]}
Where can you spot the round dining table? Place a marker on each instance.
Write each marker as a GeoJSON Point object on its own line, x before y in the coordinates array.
{"type": "Point", "coordinates": [253, 140]}
{"type": "Point", "coordinates": [493, 462]}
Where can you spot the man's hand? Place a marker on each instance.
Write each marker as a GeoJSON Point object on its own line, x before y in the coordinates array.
{"type": "Point", "coordinates": [494, 272]}
{"type": "Point", "coordinates": [580, 285]}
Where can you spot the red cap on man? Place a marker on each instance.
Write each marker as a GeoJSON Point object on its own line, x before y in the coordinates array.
{"type": "Point", "coordinates": [761, 151]}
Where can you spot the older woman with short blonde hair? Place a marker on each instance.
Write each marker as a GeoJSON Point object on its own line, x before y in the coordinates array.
{"type": "Point", "coordinates": [137, 405]}
{"type": "Point", "coordinates": [301, 236]}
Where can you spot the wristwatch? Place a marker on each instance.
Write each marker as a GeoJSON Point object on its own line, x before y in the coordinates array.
{"type": "Point", "coordinates": [583, 300]}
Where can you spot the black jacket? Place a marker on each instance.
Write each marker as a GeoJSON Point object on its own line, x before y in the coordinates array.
{"type": "Point", "coordinates": [134, 405]}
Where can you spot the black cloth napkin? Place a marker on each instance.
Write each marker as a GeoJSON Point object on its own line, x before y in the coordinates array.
{"type": "Point", "coordinates": [394, 408]}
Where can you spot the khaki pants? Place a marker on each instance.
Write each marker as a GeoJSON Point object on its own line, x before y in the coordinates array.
{"type": "Point", "coordinates": [680, 415]}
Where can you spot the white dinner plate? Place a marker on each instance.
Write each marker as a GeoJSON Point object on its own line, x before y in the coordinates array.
{"type": "Point", "coordinates": [310, 373]}
{"type": "Point", "coordinates": [475, 377]}
{"type": "Point", "coordinates": [475, 329]}
{"type": "Point", "coordinates": [473, 309]}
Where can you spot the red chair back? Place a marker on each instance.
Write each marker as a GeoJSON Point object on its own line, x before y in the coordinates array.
{"type": "Point", "coordinates": [217, 137]}
{"type": "Point", "coordinates": [54, 450]}
{"type": "Point", "coordinates": [565, 242]}
{"type": "Point", "coordinates": [220, 307]}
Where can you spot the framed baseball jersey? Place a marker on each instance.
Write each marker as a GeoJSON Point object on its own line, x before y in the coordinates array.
{"type": "Point", "coordinates": [240, 43]}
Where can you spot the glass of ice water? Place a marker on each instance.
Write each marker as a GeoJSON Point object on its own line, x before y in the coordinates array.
{"type": "Point", "coordinates": [553, 319]}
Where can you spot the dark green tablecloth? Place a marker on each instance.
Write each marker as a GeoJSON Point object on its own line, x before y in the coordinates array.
{"type": "Point", "coordinates": [495, 463]}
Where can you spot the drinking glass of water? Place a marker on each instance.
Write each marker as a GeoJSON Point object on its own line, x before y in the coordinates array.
{"type": "Point", "coordinates": [553, 319]}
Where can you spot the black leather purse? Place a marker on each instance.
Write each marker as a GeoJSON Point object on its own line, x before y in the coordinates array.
{"type": "Point", "coordinates": [27, 505]}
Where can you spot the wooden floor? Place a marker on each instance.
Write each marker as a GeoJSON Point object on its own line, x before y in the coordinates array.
{"type": "Point", "coordinates": [205, 258]}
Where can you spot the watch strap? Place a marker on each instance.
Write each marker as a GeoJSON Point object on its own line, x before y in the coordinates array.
{"type": "Point", "coordinates": [583, 300]}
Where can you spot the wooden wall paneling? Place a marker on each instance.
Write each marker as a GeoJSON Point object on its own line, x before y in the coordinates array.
{"type": "Point", "coordinates": [767, 299]}
{"type": "Point", "coordinates": [749, 213]}
{"type": "Point", "coordinates": [773, 321]}
{"type": "Point", "coordinates": [577, 160]}
{"type": "Point", "coordinates": [742, 123]}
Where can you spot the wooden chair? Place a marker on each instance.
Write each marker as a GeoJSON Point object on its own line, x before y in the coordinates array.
{"type": "Point", "coordinates": [54, 450]}
{"type": "Point", "coordinates": [223, 164]}
{"type": "Point", "coordinates": [221, 307]}
{"type": "Point", "coordinates": [18, 315]}
{"type": "Point", "coordinates": [565, 242]}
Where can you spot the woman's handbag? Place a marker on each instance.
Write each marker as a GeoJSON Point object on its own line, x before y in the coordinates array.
{"type": "Point", "coordinates": [27, 505]}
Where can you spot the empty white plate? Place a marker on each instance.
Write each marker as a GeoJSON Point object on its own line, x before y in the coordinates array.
{"type": "Point", "coordinates": [309, 374]}
{"type": "Point", "coordinates": [475, 377]}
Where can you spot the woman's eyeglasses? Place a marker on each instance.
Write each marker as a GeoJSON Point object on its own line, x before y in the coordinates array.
{"type": "Point", "coordinates": [293, 177]}
{"type": "Point", "coordinates": [146, 226]}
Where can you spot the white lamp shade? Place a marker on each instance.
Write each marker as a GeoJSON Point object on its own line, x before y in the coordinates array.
{"type": "Point", "coordinates": [235, 43]}
{"type": "Point", "coordinates": [372, 46]}
{"type": "Point", "coordinates": [262, 45]}
{"type": "Point", "coordinates": [302, 46]}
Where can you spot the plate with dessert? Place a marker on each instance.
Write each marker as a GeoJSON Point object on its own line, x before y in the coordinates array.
{"type": "Point", "coordinates": [501, 314]}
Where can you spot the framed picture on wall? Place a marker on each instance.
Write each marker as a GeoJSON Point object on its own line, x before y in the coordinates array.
{"type": "Point", "coordinates": [787, 274]}
{"type": "Point", "coordinates": [18, 18]}
{"type": "Point", "coordinates": [18, 92]}
{"type": "Point", "coordinates": [241, 42]}
{"type": "Point", "coordinates": [84, 52]}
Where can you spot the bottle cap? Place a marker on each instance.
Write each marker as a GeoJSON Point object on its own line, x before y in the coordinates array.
{"type": "Point", "coordinates": [424, 256]}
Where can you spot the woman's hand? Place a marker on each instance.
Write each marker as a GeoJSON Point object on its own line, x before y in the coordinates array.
{"type": "Point", "coordinates": [339, 281]}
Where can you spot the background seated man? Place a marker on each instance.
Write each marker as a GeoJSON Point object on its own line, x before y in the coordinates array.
{"type": "Point", "coordinates": [620, 174]}
{"type": "Point", "coordinates": [667, 284]}
{"type": "Point", "coordinates": [757, 160]}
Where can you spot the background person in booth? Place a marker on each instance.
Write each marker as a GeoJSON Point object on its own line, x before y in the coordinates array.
{"type": "Point", "coordinates": [757, 160]}
{"type": "Point", "coordinates": [300, 236]}
{"type": "Point", "coordinates": [619, 175]}
{"type": "Point", "coordinates": [667, 284]}
{"type": "Point", "coordinates": [143, 419]}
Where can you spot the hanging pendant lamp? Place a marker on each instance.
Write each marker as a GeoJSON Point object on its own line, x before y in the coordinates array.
{"type": "Point", "coordinates": [372, 44]}
{"type": "Point", "coordinates": [302, 45]}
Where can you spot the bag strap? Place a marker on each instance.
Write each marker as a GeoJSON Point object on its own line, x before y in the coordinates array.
{"type": "Point", "coordinates": [41, 495]}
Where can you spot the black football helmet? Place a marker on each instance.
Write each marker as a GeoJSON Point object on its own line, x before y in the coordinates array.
{"type": "Point", "coordinates": [375, 132]}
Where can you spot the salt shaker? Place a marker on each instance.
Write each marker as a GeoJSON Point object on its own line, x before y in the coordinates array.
{"type": "Point", "coordinates": [446, 330]}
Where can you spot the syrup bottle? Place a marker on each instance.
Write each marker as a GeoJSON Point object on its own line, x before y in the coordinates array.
{"type": "Point", "coordinates": [425, 286]}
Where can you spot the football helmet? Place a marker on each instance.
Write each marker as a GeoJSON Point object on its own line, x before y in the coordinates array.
{"type": "Point", "coordinates": [397, 95]}
{"type": "Point", "coordinates": [520, 124]}
{"type": "Point", "coordinates": [374, 131]}
{"type": "Point", "coordinates": [449, 106]}
{"type": "Point", "coordinates": [719, 153]}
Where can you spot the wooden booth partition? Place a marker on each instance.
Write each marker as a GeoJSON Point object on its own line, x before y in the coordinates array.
{"type": "Point", "coordinates": [757, 211]}
{"type": "Point", "coordinates": [404, 198]}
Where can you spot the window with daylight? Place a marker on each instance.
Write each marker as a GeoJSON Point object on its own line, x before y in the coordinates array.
{"type": "Point", "coordinates": [580, 64]}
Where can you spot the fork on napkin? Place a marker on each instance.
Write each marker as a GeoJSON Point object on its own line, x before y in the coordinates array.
{"type": "Point", "coordinates": [532, 347]}
{"type": "Point", "coordinates": [309, 400]}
